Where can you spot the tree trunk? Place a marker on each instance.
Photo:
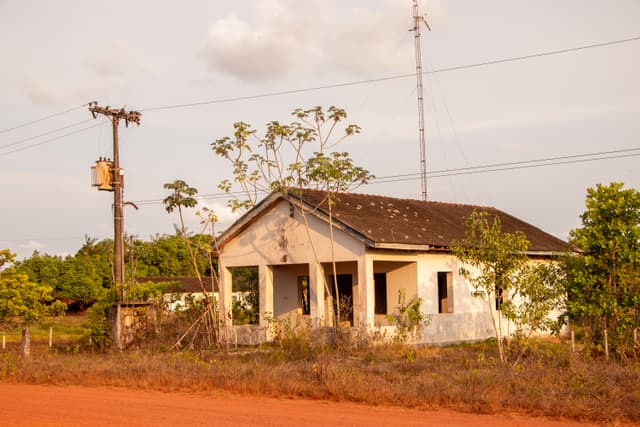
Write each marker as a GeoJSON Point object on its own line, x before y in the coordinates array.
{"type": "Point", "coordinates": [25, 346]}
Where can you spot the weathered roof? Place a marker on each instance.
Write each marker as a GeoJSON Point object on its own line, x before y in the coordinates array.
{"type": "Point", "coordinates": [388, 220]}
{"type": "Point", "coordinates": [392, 223]}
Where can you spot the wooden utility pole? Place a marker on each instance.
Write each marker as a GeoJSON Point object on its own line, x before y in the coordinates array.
{"type": "Point", "coordinates": [417, 19]}
{"type": "Point", "coordinates": [117, 182]}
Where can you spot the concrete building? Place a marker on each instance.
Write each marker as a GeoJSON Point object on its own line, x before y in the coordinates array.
{"type": "Point", "coordinates": [380, 245]}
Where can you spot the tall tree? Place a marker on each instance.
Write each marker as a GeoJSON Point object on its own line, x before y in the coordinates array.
{"type": "Point", "coordinates": [292, 156]}
{"type": "Point", "coordinates": [513, 288]}
{"type": "Point", "coordinates": [604, 283]}
{"type": "Point", "coordinates": [183, 196]}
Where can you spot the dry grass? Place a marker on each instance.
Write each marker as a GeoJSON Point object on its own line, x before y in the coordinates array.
{"type": "Point", "coordinates": [549, 381]}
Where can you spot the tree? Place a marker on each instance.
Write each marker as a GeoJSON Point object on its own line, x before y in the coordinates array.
{"type": "Point", "coordinates": [182, 196]}
{"type": "Point", "coordinates": [604, 283]}
{"type": "Point", "coordinates": [292, 157]}
{"type": "Point", "coordinates": [502, 275]}
{"type": "Point", "coordinates": [23, 302]}
{"type": "Point", "coordinates": [78, 280]}
{"type": "Point", "coordinates": [167, 256]}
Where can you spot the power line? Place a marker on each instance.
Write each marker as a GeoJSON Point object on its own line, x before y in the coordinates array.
{"type": "Point", "coordinates": [545, 160]}
{"type": "Point", "coordinates": [471, 170]}
{"type": "Point", "coordinates": [44, 134]}
{"type": "Point", "coordinates": [393, 77]}
{"type": "Point", "coordinates": [42, 119]}
{"type": "Point", "coordinates": [413, 177]}
{"type": "Point", "coordinates": [311, 89]}
{"type": "Point", "coordinates": [445, 173]}
{"type": "Point", "coordinates": [46, 141]}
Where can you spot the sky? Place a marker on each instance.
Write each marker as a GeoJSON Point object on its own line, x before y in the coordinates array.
{"type": "Point", "coordinates": [210, 62]}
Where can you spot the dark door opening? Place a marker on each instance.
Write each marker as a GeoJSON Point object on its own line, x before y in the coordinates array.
{"type": "Point", "coordinates": [345, 289]}
{"type": "Point", "coordinates": [380, 289]}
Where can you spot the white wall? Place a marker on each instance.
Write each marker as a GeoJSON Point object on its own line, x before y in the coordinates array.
{"type": "Point", "coordinates": [285, 289]}
{"type": "Point", "coordinates": [277, 238]}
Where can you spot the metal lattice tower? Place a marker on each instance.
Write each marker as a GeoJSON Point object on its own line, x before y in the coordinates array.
{"type": "Point", "coordinates": [417, 19]}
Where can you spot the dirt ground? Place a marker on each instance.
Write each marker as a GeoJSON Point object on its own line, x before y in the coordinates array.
{"type": "Point", "coordinates": [34, 405]}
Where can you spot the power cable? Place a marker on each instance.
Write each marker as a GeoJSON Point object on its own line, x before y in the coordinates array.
{"type": "Point", "coordinates": [46, 141]}
{"type": "Point", "coordinates": [442, 174]}
{"type": "Point", "coordinates": [44, 134]}
{"type": "Point", "coordinates": [42, 118]}
{"type": "Point", "coordinates": [401, 178]}
{"type": "Point", "coordinates": [310, 89]}
{"type": "Point", "coordinates": [393, 77]}
{"type": "Point", "coordinates": [494, 167]}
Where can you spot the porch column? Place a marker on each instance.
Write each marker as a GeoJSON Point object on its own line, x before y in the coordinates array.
{"type": "Point", "coordinates": [265, 284]}
{"type": "Point", "coordinates": [225, 293]}
{"type": "Point", "coordinates": [366, 291]}
{"type": "Point", "coordinates": [225, 299]}
{"type": "Point", "coordinates": [316, 293]}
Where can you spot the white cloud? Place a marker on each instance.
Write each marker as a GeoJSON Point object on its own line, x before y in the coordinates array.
{"type": "Point", "coordinates": [32, 245]}
{"type": "Point", "coordinates": [41, 92]}
{"type": "Point", "coordinates": [223, 213]}
{"type": "Point", "coordinates": [288, 36]}
{"type": "Point", "coordinates": [113, 59]}
{"type": "Point", "coordinates": [370, 42]}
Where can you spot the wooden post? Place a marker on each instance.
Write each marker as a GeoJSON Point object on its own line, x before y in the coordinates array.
{"type": "Point", "coordinates": [573, 342]}
{"type": "Point", "coordinates": [635, 337]}
{"type": "Point", "coordinates": [4, 342]}
{"type": "Point", "coordinates": [50, 336]}
{"type": "Point", "coordinates": [606, 345]}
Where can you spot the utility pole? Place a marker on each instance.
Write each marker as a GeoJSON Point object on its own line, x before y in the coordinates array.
{"type": "Point", "coordinates": [417, 19]}
{"type": "Point", "coordinates": [115, 181]}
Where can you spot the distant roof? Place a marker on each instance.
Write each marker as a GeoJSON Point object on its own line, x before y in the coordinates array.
{"type": "Point", "coordinates": [182, 284]}
{"type": "Point", "coordinates": [382, 221]}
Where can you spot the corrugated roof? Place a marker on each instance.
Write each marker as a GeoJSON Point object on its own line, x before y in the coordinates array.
{"type": "Point", "coordinates": [388, 220]}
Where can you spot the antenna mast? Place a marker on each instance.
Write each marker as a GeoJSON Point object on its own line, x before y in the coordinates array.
{"type": "Point", "coordinates": [417, 19]}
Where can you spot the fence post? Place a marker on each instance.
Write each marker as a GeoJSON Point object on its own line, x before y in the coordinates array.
{"type": "Point", "coordinates": [4, 342]}
{"type": "Point", "coordinates": [50, 336]}
{"type": "Point", "coordinates": [573, 342]}
{"type": "Point", "coordinates": [606, 345]}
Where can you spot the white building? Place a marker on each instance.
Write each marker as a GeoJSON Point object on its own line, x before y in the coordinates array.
{"type": "Point", "coordinates": [380, 245]}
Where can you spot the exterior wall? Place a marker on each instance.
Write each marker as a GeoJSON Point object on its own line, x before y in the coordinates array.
{"type": "Point", "coordinates": [278, 238]}
{"type": "Point", "coordinates": [285, 289]}
{"type": "Point", "coordinates": [469, 320]}
{"type": "Point", "coordinates": [279, 243]}
{"type": "Point", "coordinates": [404, 277]}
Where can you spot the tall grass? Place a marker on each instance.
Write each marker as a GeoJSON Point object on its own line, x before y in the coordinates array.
{"type": "Point", "coordinates": [549, 381]}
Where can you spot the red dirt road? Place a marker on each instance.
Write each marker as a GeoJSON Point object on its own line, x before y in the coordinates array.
{"type": "Point", "coordinates": [34, 405]}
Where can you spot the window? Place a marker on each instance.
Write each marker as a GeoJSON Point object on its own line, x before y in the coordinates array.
{"type": "Point", "coordinates": [445, 292]}
{"type": "Point", "coordinates": [500, 297]}
{"type": "Point", "coordinates": [380, 285]}
{"type": "Point", "coordinates": [304, 306]}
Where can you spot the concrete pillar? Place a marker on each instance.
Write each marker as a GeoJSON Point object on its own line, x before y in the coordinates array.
{"type": "Point", "coordinates": [366, 292]}
{"type": "Point", "coordinates": [316, 294]}
{"type": "Point", "coordinates": [265, 275]}
{"type": "Point", "coordinates": [225, 290]}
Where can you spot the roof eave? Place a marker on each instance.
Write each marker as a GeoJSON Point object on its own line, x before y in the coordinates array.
{"type": "Point", "coordinates": [399, 246]}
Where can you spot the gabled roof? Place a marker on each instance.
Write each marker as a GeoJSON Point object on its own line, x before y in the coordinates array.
{"type": "Point", "coordinates": [387, 222]}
